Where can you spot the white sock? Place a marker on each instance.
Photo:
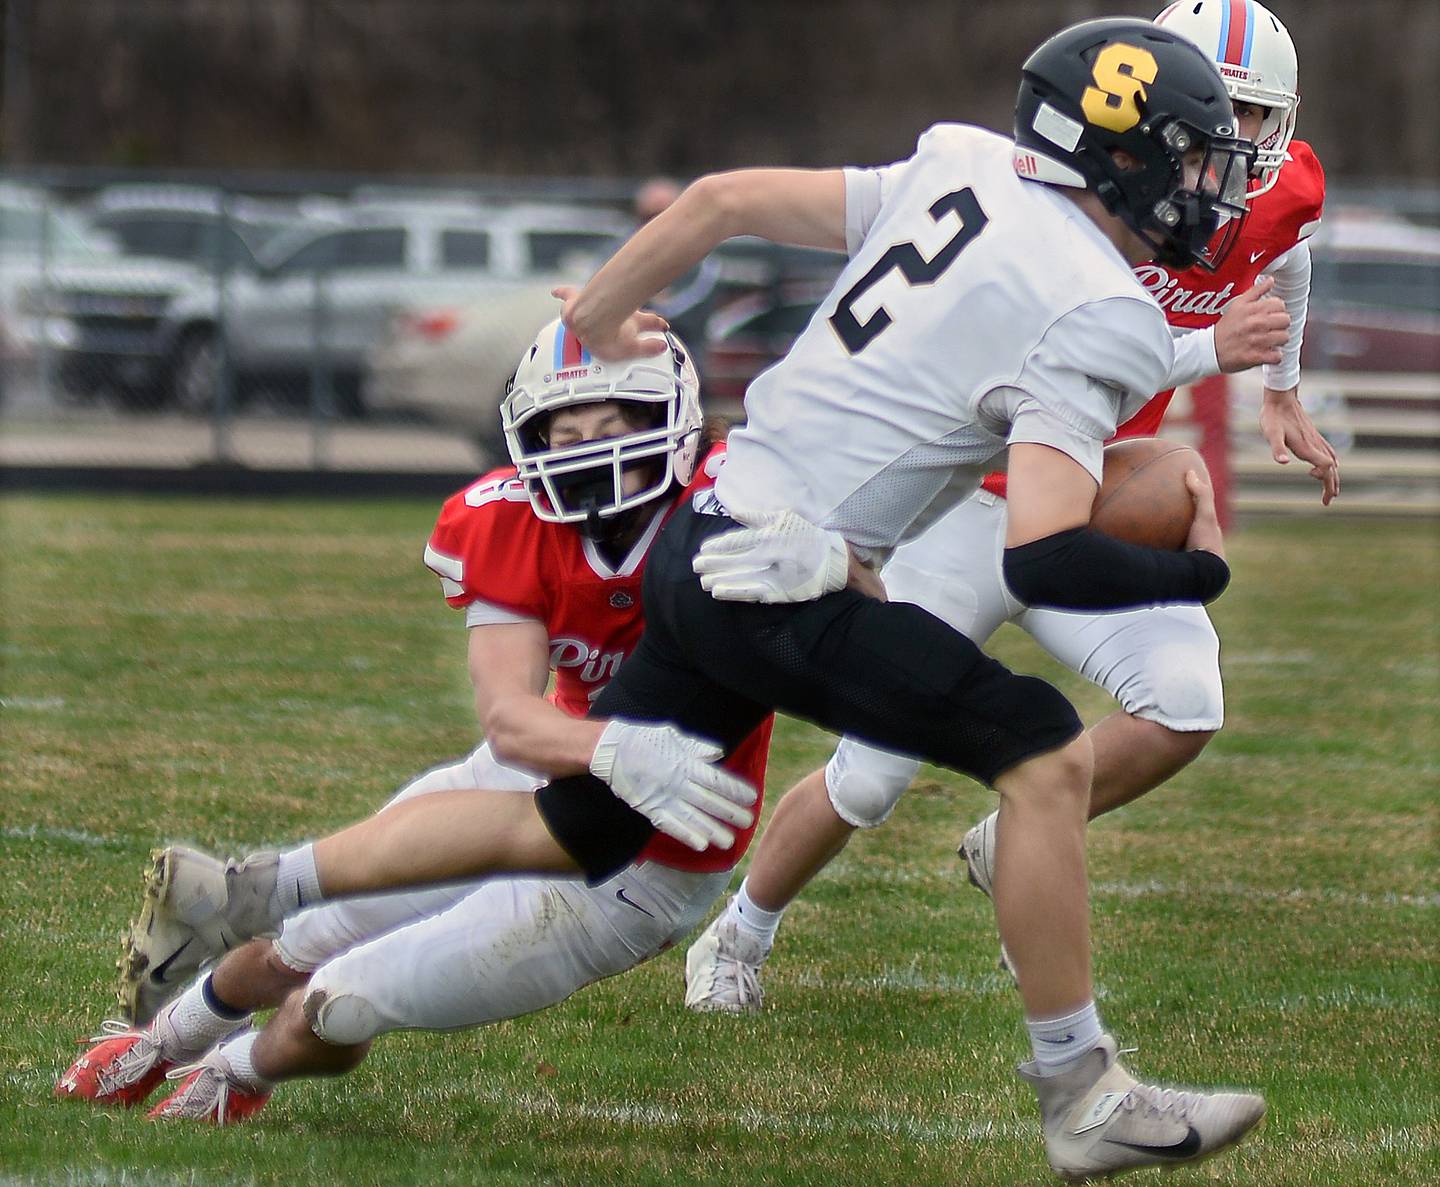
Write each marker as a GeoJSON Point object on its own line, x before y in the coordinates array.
{"type": "Point", "coordinates": [1058, 1042]}
{"type": "Point", "coordinates": [194, 1023]}
{"type": "Point", "coordinates": [239, 1053]}
{"type": "Point", "coordinates": [756, 920]}
{"type": "Point", "coordinates": [297, 882]}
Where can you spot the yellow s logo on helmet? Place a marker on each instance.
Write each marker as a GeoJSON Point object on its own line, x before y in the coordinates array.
{"type": "Point", "coordinates": [1120, 73]}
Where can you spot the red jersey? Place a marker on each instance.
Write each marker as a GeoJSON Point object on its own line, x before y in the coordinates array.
{"type": "Point", "coordinates": [1194, 299]}
{"type": "Point", "coordinates": [488, 546]}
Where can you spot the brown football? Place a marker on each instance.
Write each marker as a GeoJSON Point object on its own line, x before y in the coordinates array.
{"type": "Point", "coordinates": [1143, 499]}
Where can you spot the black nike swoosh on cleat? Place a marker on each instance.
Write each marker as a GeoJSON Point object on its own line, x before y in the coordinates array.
{"type": "Point", "coordinates": [629, 902]}
{"type": "Point", "coordinates": [1186, 1147]}
{"type": "Point", "coordinates": [158, 975]}
{"type": "Point", "coordinates": [1059, 1042]}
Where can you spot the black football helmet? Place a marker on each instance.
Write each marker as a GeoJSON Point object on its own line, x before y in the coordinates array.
{"type": "Point", "coordinates": [1129, 85]}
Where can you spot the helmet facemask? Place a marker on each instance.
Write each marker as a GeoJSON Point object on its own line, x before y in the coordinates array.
{"type": "Point", "coordinates": [1272, 142]}
{"type": "Point", "coordinates": [584, 483]}
{"type": "Point", "coordinates": [1190, 211]}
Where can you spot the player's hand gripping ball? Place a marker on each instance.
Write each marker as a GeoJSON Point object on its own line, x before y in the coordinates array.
{"type": "Point", "coordinates": [1142, 498]}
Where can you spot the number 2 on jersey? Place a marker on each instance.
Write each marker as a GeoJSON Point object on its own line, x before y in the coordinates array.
{"type": "Point", "coordinates": [914, 267]}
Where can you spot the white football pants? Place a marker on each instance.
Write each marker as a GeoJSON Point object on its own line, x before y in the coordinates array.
{"type": "Point", "coordinates": [1162, 663]}
{"type": "Point", "coordinates": [463, 955]}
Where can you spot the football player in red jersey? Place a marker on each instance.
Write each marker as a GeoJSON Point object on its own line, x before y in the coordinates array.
{"type": "Point", "coordinates": [545, 558]}
{"type": "Point", "coordinates": [1257, 59]}
{"type": "Point", "coordinates": [1160, 663]}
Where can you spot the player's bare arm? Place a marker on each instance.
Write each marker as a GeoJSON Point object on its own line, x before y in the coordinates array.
{"type": "Point", "coordinates": [1049, 492]}
{"type": "Point", "coordinates": [803, 207]}
{"type": "Point", "coordinates": [509, 667]}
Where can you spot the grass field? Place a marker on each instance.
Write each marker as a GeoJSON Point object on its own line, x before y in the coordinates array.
{"type": "Point", "coordinates": [235, 673]}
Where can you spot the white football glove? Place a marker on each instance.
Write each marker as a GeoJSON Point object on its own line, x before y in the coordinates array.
{"type": "Point", "coordinates": [778, 557]}
{"type": "Point", "coordinates": [669, 778]}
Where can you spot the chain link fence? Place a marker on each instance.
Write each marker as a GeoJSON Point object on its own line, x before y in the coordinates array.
{"type": "Point", "coordinates": [329, 325]}
{"type": "Point", "coordinates": [172, 325]}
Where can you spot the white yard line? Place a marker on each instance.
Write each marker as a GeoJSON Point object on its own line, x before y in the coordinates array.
{"type": "Point", "coordinates": [74, 836]}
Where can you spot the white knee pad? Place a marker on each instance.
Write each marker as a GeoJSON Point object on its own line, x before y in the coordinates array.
{"type": "Point", "coordinates": [864, 784]}
{"type": "Point", "coordinates": [338, 1015]}
{"type": "Point", "coordinates": [1178, 686]}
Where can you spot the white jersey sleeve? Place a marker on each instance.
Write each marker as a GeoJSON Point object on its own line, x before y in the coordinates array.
{"type": "Point", "coordinates": [1292, 285]}
{"type": "Point", "coordinates": [1032, 423]}
{"type": "Point", "coordinates": [1100, 363]}
{"type": "Point", "coordinates": [865, 190]}
{"type": "Point", "coordinates": [1195, 357]}
{"type": "Point", "coordinates": [481, 613]}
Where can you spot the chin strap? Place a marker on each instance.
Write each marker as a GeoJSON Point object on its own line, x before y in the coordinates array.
{"type": "Point", "coordinates": [594, 525]}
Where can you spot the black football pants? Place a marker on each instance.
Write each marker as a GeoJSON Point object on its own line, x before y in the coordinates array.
{"type": "Point", "coordinates": [888, 673]}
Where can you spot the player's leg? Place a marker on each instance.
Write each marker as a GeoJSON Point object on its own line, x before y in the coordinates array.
{"type": "Point", "coordinates": [507, 948]}
{"type": "Point", "coordinates": [260, 974]}
{"type": "Point", "coordinates": [894, 673]}
{"type": "Point", "coordinates": [1162, 664]}
{"type": "Point", "coordinates": [1042, 862]}
{"type": "Point", "coordinates": [126, 1063]}
{"type": "Point", "coordinates": [953, 570]}
{"type": "Point", "coordinates": [722, 966]}
{"type": "Point", "coordinates": [897, 676]}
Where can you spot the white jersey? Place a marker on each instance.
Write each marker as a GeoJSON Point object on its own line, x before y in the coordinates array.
{"type": "Point", "coordinates": [977, 310]}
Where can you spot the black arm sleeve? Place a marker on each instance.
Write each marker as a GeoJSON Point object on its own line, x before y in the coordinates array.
{"type": "Point", "coordinates": [1083, 570]}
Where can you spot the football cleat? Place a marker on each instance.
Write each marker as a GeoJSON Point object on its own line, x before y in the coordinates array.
{"type": "Point", "coordinates": [123, 1067]}
{"type": "Point", "coordinates": [1099, 1121]}
{"type": "Point", "coordinates": [722, 970]}
{"type": "Point", "coordinates": [209, 1092]}
{"type": "Point", "coordinates": [196, 908]}
{"type": "Point", "coordinates": [978, 850]}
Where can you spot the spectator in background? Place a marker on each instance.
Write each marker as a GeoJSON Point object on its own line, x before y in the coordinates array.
{"type": "Point", "coordinates": [654, 197]}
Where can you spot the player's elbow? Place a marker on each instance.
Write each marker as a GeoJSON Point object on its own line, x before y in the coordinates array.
{"type": "Point", "coordinates": [504, 726]}
{"type": "Point", "coordinates": [721, 201]}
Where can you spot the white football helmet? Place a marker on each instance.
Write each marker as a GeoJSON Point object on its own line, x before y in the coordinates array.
{"type": "Point", "coordinates": [1256, 58]}
{"type": "Point", "coordinates": [585, 483]}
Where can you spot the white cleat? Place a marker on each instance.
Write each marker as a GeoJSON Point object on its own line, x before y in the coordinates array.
{"type": "Point", "coordinates": [196, 909]}
{"type": "Point", "coordinates": [1099, 1121]}
{"type": "Point", "coordinates": [978, 850]}
{"type": "Point", "coordinates": [722, 970]}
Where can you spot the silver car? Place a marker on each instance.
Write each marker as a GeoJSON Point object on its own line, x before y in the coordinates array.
{"type": "Point", "coordinates": [303, 324]}
{"type": "Point", "coordinates": [73, 309]}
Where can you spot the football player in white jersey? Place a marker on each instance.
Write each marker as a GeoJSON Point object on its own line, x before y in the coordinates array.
{"type": "Point", "coordinates": [1162, 663]}
{"type": "Point", "coordinates": [988, 304]}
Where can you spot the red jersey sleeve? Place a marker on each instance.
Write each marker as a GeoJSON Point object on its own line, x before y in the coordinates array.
{"type": "Point", "coordinates": [487, 547]}
{"type": "Point", "coordinates": [706, 470]}
{"type": "Point", "coordinates": [1302, 181]}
